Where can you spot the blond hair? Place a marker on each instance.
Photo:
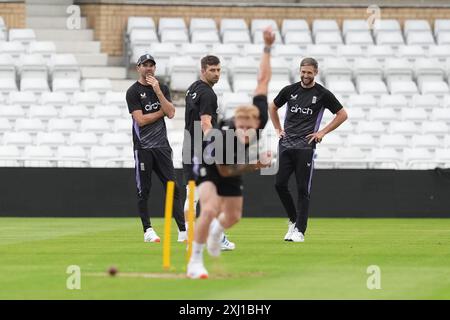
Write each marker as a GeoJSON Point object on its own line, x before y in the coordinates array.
{"type": "Point", "coordinates": [246, 112]}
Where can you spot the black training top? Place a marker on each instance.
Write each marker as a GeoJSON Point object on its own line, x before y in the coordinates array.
{"type": "Point", "coordinates": [153, 135]}
{"type": "Point", "coordinates": [200, 100]}
{"type": "Point", "coordinates": [305, 107]}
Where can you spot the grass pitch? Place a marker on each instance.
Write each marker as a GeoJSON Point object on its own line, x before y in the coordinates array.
{"type": "Point", "coordinates": [413, 256]}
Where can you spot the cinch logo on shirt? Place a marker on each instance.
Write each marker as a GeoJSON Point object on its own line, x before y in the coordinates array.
{"type": "Point", "coordinates": [153, 106]}
{"type": "Point", "coordinates": [297, 109]}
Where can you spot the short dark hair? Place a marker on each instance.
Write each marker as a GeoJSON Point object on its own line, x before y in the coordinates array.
{"type": "Point", "coordinates": [209, 61]}
{"type": "Point", "coordinates": [309, 62]}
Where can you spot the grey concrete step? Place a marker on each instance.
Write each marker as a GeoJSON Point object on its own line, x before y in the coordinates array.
{"type": "Point", "coordinates": [122, 85]}
{"type": "Point", "coordinates": [64, 35]}
{"type": "Point", "coordinates": [53, 10]}
{"type": "Point", "coordinates": [104, 72]}
{"type": "Point", "coordinates": [51, 22]}
{"type": "Point", "coordinates": [92, 59]}
{"type": "Point", "coordinates": [77, 46]}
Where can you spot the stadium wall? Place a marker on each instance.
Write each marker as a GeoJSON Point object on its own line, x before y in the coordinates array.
{"type": "Point", "coordinates": [92, 192]}
{"type": "Point", "coordinates": [13, 13]}
{"type": "Point", "coordinates": [109, 20]}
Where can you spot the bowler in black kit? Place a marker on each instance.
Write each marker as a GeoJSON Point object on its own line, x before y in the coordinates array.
{"type": "Point", "coordinates": [306, 102]}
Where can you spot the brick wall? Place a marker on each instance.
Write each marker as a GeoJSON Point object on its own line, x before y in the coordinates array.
{"type": "Point", "coordinates": [109, 20]}
{"type": "Point", "coordinates": [13, 14]}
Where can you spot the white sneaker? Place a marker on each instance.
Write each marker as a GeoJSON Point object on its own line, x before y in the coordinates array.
{"type": "Point", "coordinates": [297, 236]}
{"type": "Point", "coordinates": [182, 236]}
{"type": "Point", "coordinates": [291, 227]}
{"type": "Point", "coordinates": [213, 243]}
{"type": "Point", "coordinates": [151, 236]}
{"type": "Point", "coordinates": [226, 245]}
{"type": "Point", "coordinates": [196, 270]}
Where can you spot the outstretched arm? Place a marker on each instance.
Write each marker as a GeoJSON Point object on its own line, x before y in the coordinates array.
{"type": "Point", "coordinates": [265, 71]}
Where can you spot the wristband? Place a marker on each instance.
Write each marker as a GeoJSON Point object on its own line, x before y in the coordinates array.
{"type": "Point", "coordinates": [267, 49]}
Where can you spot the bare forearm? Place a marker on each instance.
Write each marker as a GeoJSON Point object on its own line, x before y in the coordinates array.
{"type": "Point", "coordinates": [166, 106]}
{"type": "Point", "coordinates": [274, 118]}
{"type": "Point", "coordinates": [150, 118]}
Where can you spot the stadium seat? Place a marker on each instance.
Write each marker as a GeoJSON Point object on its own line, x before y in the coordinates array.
{"type": "Point", "coordinates": [68, 86]}
{"type": "Point", "coordinates": [38, 156]}
{"type": "Point", "coordinates": [208, 38]}
{"type": "Point", "coordinates": [363, 39]}
{"type": "Point", "coordinates": [288, 52]}
{"type": "Point", "coordinates": [363, 141]}
{"type": "Point", "coordinates": [332, 142]}
{"type": "Point", "coordinates": [32, 66]}
{"type": "Point", "coordinates": [252, 50]}
{"type": "Point", "coordinates": [441, 25]}
{"type": "Point", "coordinates": [294, 25]}
{"type": "Point", "coordinates": [398, 69]}
{"type": "Point", "coordinates": [122, 125]}
{"type": "Point", "coordinates": [300, 38]}
{"type": "Point", "coordinates": [443, 158]}
{"type": "Point", "coordinates": [117, 139]}
{"type": "Point", "coordinates": [107, 112]}
{"type": "Point", "coordinates": [412, 25]}
{"type": "Point", "coordinates": [428, 102]}
{"type": "Point", "coordinates": [166, 23]}
{"type": "Point", "coordinates": [438, 128]}
{"type": "Point", "coordinates": [350, 53]}
{"type": "Point", "coordinates": [97, 85]}
{"type": "Point", "coordinates": [320, 52]}
{"type": "Point", "coordinates": [7, 85]}
{"type": "Point", "coordinates": [183, 71]}
{"type": "Point", "coordinates": [350, 157]}
{"type": "Point", "coordinates": [43, 112]}
{"type": "Point", "coordinates": [5, 125]}
{"type": "Point", "coordinates": [438, 88]}
{"type": "Point", "coordinates": [51, 139]}
{"type": "Point", "coordinates": [25, 99]}
{"type": "Point", "coordinates": [356, 115]}
{"type": "Point", "coordinates": [384, 114]}
{"type": "Point", "coordinates": [202, 24]}
{"type": "Point", "coordinates": [333, 39]}
{"type": "Point", "coordinates": [115, 98]}
{"type": "Point", "coordinates": [393, 39]}
{"type": "Point", "coordinates": [140, 23]}
{"type": "Point", "coordinates": [385, 158]}
{"type": "Point", "coordinates": [324, 158]}
{"type": "Point", "coordinates": [194, 50]}
{"type": "Point", "coordinates": [9, 156]}
{"type": "Point", "coordinates": [76, 112]}
{"type": "Point", "coordinates": [380, 53]}
{"type": "Point", "coordinates": [29, 125]}
{"type": "Point", "coordinates": [414, 114]}
{"type": "Point", "coordinates": [36, 85]}
{"type": "Point", "coordinates": [354, 25]}
{"type": "Point", "coordinates": [440, 114]}
{"type": "Point", "coordinates": [386, 25]}
{"type": "Point", "coordinates": [258, 25]}
{"type": "Point", "coordinates": [336, 69]}
{"type": "Point", "coordinates": [44, 48]}
{"type": "Point", "coordinates": [104, 157]}
{"type": "Point", "coordinates": [428, 141]}
{"type": "Point", "coordinates": [407, 128]}
{"type": "Point", "coordinates": [407, 88]}
{"type": "Point", "coordinates": [7, 67]}
{"type": "Point", "coordinates": [62, 125]}
{"type": "Point", "coordinates": [439, 53]}
{"type": "Point", "coordinates": [64, 66]}
{"type": "Point", "coordinates": [57, 99]}
{"type": "Point", "coordinates": [397, 141]}
{"type": "Point", "coordinates": [86, 98]}
{"type": "Point", "coordinates": [428, 69]}
{"type": "Point", "coordinates": [423, 39]}
{"type": "Point", "coordinates": [24, 36]}
{"type": "Point", "coordinates": [396, 102]}
{"type": "Point", "coordinates": [411, 52]}
{"type": "Point", "coordinates": [231, 100]}
{"type": "Point", "coordinates": [227, 24]}
{"type": "Point", "coordinates": [443, 38]}
{"type": "Point", "coordinates": [177, 37]}
{"type": "Point", "coordinates": [344, 88]}
{"type": "Point", "coordinates": [11, 112]}
{"type": "Point", "coordinates": [365, 101]}
{"type": "Point", "coordinates": [324, 25]}
{"type": "Point", "coordinates": [142, 38]}
{"type": "Point", "coordinates": [98, 126]}
{"type": "Point", "coordinates": [375, 128]}
{"type": "Point", "coordinates": [238, 37]}
{"type": "Point", "coordinates": [367, 69]}
{"type": "Point", "coordinates": [418, 158]}
{"type": "Point", "coordinates": [19, 139]}
{"type": "Point", "coordinates": [258, 37]}
{"type": "Point", "coordinates": [71, 156]}
{"type": "Point", "coordinates": [83, 139]}
{"type": "Point", "coordinates": [14, 49]}
{"type": "Point", "coordinates": [162, 53]}
{"type": "Point", "coordinates": [373, 87]}
{"type": "Point", "coordinates": [226, 51]}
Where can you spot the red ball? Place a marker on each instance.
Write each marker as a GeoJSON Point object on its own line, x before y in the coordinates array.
{"type": "Point", "coordinates": [112, 271]}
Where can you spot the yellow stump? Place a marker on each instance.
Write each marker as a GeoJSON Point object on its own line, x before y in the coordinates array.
{"type": "Point", "coordinates": [191, 218]}
{"type": "Point", "coordinates": [167, 223]}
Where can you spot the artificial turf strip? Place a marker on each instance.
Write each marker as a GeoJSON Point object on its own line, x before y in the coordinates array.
{"type": "Point", "coordinates": [413, 256]}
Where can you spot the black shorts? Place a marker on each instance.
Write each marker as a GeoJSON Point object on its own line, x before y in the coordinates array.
{"type": "Point", "coordinates": [188, 173]}
{"type": "Point", "coordinates": [226, 186]}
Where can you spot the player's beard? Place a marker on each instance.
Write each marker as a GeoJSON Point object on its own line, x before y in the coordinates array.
{"type": "Point", "coordinates": [307, 81]}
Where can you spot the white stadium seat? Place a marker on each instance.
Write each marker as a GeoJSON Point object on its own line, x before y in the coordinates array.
{"type": "Point", "coordinates": [238, 37]}
{"type": "Point", "coordinates": [226, 51]}
{"type": "Point", "coordinates": [259, 38]}
{"type": "Point", "coordinates": [411, 25]}
{"type": "Point", "coordinates": [76, 112]}
{"type": "Point", "coordinates": [12, 111]}
{"type": "Point", "coordinates": [441, 25]}
{"type": "Point", "coordinates": [142, 37]}
{"type": "Point", "coordinates": [385, 158]}
{"type": "Point", "coordinates": [407, 88]}
{"type": "Point", "coordinates": [7, 85]}
{"type": "Point", "coordinates": [115, 98]}
{"type": "Point", "coordinates": [336, 69]}
{"type": "Point", "coordinates": [440, 53]}
{"type": "Point", "coordinates": [363, 140]}
{"type": "Point", "coordinates": [194, 50]}
{"type": "Point", "coordinates": [320, 52]}
{"type": "Point", "coordinates": [32, 66]}
{"type": "Point", "coordinates": [71, 156]}
{"type": "Point", "coordinates": [14, 49]}
{"type": "Point", "coordinates": [24, 36]}
{"type": "Point", "coordinates": [439, 128]}
{"type": "Point", "coordinates": [367, 69]}
{"type": "Point", "coordinates": [45, 48]}
{"type": "Point", "coordinates": [36, 85]}
{"type": "Point", "coordinates": [205, 37]}
{"type": "Point", "coordinates": [411, 52]}
{"type": "Point", "coordinates": [9, 156]}
{"type": "Point", "coordinates": [427, 102]}
{"type": "Point", "coordinates": [300, 38]}
{"type": "Point", "coordinates": [64, 66]}
{"type": "Point", "coordinates": [418, 158]}
{"type": "Point", "coordinates": [29, 125]}
{"type": "Point", "coordinates": [375, 128]}
{"type": "Point", "coordinates": [438, 88]}
{"type": "Point", "coordinates": [407, 128]}
{"type": "Point", "coordinates": [383, 114]}
{"type": "Point", "coordinates": [350, 157]}
{"type": "Point", "coordinates": [108, 112]}
{"type": "Point", "coordinates": [443, 158]}
{"type": "Point", "coordinates": [104, 156]}
{"type": "Point", "coordinates": [354, 25]}
{"type": "Point", "coordinates": [350, 53]}
{"type": "Point", "coordinates": [86, 98]}
{"type": "Point", "coordinates": [289, 25]}
{"type": "Point", "coordinates": [17, 138]}
{"type": "Point", "coordinates": [202, 24]}
{"type": "Point", "coordinates": [122, 125]}
{"type": "Point", "coordinates": [44, 112]}
{"type": "Point", "coordinates": [380, 52]}
{"type": "Point", "coordinates": [287, 51]}
{"type": "Point", "coordinates": [100, 85]}
{"type": "Point", "coordinates": [363, 39]}
{"type": "Point", "coordinates": [363, 101]}
{"type": "Point", "coordinates": [166, 23]}
{"type": "Point", "coordinates": [399, 69]}
{"type": "Point", "coordinates": [98, 126]}
{"type": "Point", "coordinates": [162, 53]}
{"type": "Point", "coordinates": [425, 141]}
{"type": "Point", "coordinates": [62, 125]}
{"type": "Point", "coordinates": [183, 71]}
{"type": "Point", "coordinates": [22, 98]}
{"type": "Point", "coordinates": [443, 38]}
{"type": "Point", "coordinates": [386, 25]}
{"type": "Point", "coordinates": [324, 25]}
{"type": "Point", "coordinates": [140, 23]}
{"type": "Point", "coordinates": [332, 39]}
{"type": "Point", "coordinates": [393, 101]}
{"type": "Point", "coordinates": [440, 114]}
{"type": "Point", "coordinates": [177, 37]}
{"type": "Point", "coordinates": [57, 99]}
{"type": "Point", "coordinates": [414, 114]}
{"type": "Point", "coordinates": [424, 39]}
{"type": "Point", "coordinates": [68, 86]}
{"type": "Point", "coordinates": [83, 139]}
{"type": "Point", "coordinates": [228, 24]}
{"type": "Point", "coordinates": [5, 125]}
{"type": "Point", "coordinates": [397, 141]}
{"type": "Point", "coordinates": [373, 87]}
{"type": "Point", "coordinates": [38, 156]}
{"type": "Point", "coordinates": [261, 24]}
{"type": "Point", "coordinates": [117, 139]}
{"type": "Point", "coordinates": [52, 139]}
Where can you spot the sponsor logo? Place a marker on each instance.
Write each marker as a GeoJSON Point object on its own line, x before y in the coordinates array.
{"type": "Point", "coordinates": [294, 97]}
{"type": "Point", "coordinates": [314, 100]}
{"type": "Point", "coordinates": [143, 95]}
{"type": "Point", "coordinates": [153, 106]}
{"type": "Point", "coordinates": [308, 164]}
{"type": "Point", "coordinates": [142, 166]}
{"type": "Point", "coordinates": [297, 109]}
{"type": "Point", "coordinates": [194, 95]}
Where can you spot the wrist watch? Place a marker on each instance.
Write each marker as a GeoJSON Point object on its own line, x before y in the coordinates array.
{"type": "Point", "coordinates": [267, 49]}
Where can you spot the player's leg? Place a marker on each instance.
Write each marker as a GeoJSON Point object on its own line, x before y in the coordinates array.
{"type": "Point", "coordinates": [143, 169]}
{"type": "Point", "coordinates": [303, 177]}
{"type": "Point", "coordinates": [210, 206]}
{"type": "Point", "coordinates": [226, 244]}
{"type": "Point", "coordinates": [163, 167]}
{"type": "Point", "coordinates": [285, 169]}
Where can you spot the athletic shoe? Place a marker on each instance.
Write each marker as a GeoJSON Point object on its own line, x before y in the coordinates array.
{"type": "Point", "coordinates": [297, 236]}
{"type": "Point", "coordinates": [226, 245]}
{"type": "Point", "coordinates": [151, 236]}
{"type": "Point", "coordinates": [182, 236]}
{"type": "Point", "coordinates": [196, 270]}
{"type": "Point", "coordinates": [291, 227]}
{"type": "Point", "coordinates": [213, 244]}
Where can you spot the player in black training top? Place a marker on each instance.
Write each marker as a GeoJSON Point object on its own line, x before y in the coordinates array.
{"type": "Point", "coordinates": [149, 102]}
{"type": "Point", "coordinates": [306, 103]}
{"type": "Point", "coordinates": [201, 115]}
{"type": "Point", "coordinates": [219, 176]}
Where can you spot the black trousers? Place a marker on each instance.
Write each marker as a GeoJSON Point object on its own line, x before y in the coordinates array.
{"type": "Point", "coordinates": [158, 160]}
{"type": "Point", "coordinates": [300, 162]}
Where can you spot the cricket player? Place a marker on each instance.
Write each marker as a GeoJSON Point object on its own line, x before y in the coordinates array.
{"type": "Point", "coordinates": [149, 102]}
{"type": "Point", "coordinates": [201, 109]}
{"type": "Point", "coordinates": [306, 102]}
{"type": "Point", "coordinates": [220, 184]}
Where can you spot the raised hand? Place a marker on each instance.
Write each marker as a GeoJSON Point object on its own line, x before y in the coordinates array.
{"type": "Point", "coordinates": [151, 80]}
{"type": "Point", "coordinates": [269, 36]}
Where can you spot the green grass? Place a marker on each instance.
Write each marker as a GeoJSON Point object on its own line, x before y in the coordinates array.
{"type": "Point", "coordinates": [413, 254]}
